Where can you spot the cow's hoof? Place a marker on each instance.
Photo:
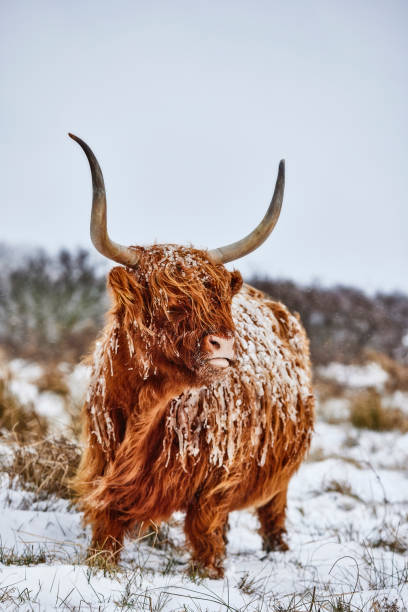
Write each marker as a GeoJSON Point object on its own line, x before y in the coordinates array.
{"type": "Point", "coordinates": [214, 572]}
{"type": "Point", "coordinates": [105, 560]}
{"type": "Point", "coordinates": [201, 572]}
{"type": "Point", "coordinates": [274, 543]}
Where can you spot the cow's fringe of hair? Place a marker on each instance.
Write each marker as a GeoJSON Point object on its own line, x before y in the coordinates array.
{"type": "Point", "coordinates": [179, 280]}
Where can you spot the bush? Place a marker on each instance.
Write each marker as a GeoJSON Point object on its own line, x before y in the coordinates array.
{"type": "Point", "coordinates": [367, 411]}
{"type": "Point", "coordinates": [51, 307]}
{"type": "Point", "coordinates": [343, 323]}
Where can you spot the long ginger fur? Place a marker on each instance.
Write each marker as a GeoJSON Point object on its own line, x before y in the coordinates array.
{"type": "Point", "coordinates": [164, 431]}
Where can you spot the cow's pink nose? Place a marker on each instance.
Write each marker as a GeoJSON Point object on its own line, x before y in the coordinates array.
{"type": "Point", "coordinates": [219, 351]}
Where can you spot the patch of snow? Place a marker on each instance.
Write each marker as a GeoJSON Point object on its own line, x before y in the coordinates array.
{"type": "Point", "coordinates": [399, 399]}
{"type": "Point", "coordinates": [52, 406]}
{"type": "Point", "coordinates": [24, 391]}
{"type": "Point", "coordinates": [335, 408]}
{"type": "Point", "coordinates": [25, 370]}
{"type": "Point", "coordinates": [355, 376]}
{"type": "Point", "coordinates": [20, 376]}
{"type": "Point", "coordinates": [78, 382]}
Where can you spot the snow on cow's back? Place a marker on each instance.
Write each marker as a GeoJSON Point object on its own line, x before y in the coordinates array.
{"type": "Point", "coordinates": [271, 344]}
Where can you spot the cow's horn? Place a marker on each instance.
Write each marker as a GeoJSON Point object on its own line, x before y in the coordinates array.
{"type": "Point", "coordinates": [238, 249]}
{"type": "Point", "coordinates": [99, 233]}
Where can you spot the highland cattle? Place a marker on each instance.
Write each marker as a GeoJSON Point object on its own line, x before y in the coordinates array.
{"type": "Point", "coordinates": [200, 398]}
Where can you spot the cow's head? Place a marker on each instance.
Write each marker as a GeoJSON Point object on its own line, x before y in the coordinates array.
{"type": "Point", "coordinates": [178, 304]}
{"type": "Point", "coordinates": [177, 300]}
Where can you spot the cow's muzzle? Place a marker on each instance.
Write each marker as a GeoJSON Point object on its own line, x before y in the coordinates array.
{"type": "Point", "coordinates": [218, 351]}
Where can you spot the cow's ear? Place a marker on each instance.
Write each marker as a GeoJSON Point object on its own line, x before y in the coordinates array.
{"type": "Point", "coordinates": [124, 287]}
{"type": "Point", "coordinates": [236, 281]}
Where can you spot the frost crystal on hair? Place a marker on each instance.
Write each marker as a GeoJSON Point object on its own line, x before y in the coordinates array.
{"type": "Point", "coordinates": [166, 255]}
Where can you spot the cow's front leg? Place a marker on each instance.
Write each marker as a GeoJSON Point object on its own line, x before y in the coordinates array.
{"type": "Point", "coordinates": [272, 518]}
{"type": "Point", "coordinates": [107, 541]}
{"type": "Point", "coordinates": [205, 527]}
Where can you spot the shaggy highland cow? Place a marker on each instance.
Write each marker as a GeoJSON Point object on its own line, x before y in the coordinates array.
{"type": "Point", "coordinates": [200, 398]}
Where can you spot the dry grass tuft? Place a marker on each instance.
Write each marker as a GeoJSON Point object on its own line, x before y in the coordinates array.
{"type": "Point", "coordinates": [385, 605]}
{"type": "Point", "coordinates": [390, 541]}
{"type": "Point", "coordinates": [344, 488]}
{"type": "Point", "coordinates": [103, 560]}
{"type": "Point", "coordinates": [23, 421]}
{"type": "Point", "coordinates": [367, 411]}
{"type": "Point", "coordinates": [397, 372]}
{"type": "Point", "coordinates": [30, 556]}
{"type": "Point", "coordinates": [52, 379]}
{"type": "Point", "coordinates": [247, 584]}
{"type": "Point", "coordinates": [157, 536]}
{"type": "Point", "coordinates": [45, 467]}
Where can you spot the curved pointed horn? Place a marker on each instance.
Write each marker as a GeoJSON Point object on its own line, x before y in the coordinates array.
{"type": "Point", "coordinates": [238, 249]}
{"type": "Point", "coordinates": [99, 233]}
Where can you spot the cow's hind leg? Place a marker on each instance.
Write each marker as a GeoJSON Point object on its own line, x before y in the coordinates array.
{"type": "Point", "coordinates": [205, 526]}
{"type": "Point", "coordinates": [272, 518]}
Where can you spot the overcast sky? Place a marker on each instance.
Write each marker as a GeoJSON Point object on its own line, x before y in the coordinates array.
{"type": "Point", "coordinates": [189, 106]}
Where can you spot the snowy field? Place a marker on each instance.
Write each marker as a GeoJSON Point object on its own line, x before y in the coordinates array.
{"type": "Point", "coordinates": [347, 527]}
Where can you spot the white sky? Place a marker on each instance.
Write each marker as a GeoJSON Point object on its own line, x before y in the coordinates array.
{"type": "Point", "coordinates": [190, 105]}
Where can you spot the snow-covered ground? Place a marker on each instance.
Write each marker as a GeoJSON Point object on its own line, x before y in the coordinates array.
{"type": "Point", "coordinates": [347, 531]}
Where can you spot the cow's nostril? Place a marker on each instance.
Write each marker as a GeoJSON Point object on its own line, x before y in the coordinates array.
{"type": "Point", "coordinates": [218, 347]}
